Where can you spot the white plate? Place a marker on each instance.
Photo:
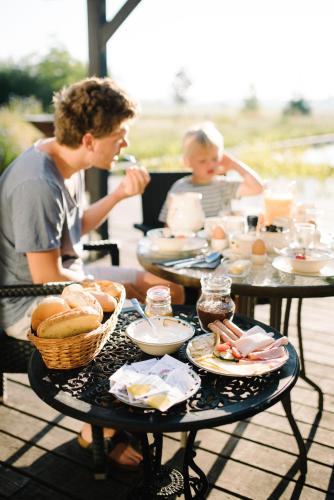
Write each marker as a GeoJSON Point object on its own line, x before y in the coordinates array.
{"type": "Point", "coordinates": [232, 369]}
{"type": "Point", "coordinates": [188, 394]}
{"type": "Point", "coordinates": [282, 264]}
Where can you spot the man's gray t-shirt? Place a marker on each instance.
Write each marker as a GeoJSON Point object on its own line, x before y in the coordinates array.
{"type": "Point", "coordinates": [37, 213]}
{"type": "Point", "coordinates": [216, 196]}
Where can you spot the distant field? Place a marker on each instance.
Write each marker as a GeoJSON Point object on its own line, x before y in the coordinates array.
{"type": "Point", "coordinates": [155, 140]}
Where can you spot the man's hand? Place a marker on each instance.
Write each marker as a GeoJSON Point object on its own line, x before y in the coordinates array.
{"type": "Point", "coordinates": [134, 182]}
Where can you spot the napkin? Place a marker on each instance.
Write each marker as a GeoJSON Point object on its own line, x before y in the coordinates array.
{"type": "Point", "coordinates": [158, 383]}
{"type": "Point", "coordinates": [206, 265]}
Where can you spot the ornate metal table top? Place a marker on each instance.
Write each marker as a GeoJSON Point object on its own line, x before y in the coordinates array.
{"type": "Point", "coordinates": [83, 393]}
{"type": "Point", "coordinates": [261, 281]}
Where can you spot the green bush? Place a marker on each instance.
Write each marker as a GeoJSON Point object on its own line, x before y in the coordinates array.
{"type": "Point", "coordinates": [16, 135]}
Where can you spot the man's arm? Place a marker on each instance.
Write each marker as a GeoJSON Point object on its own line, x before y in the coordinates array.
{"type": "Point", "coordinates": [134, 182]}
{"type": "Point", "coordinates": [251, 184]}
{"type": "Point", "coordinates": [47, 266]}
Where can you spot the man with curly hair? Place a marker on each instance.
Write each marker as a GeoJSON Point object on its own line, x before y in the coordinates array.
{"type": "Point", "coordinates": [43, 216]}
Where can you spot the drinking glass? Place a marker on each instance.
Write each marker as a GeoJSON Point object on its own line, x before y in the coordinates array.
{"type": "Point", "coordinates": [304, 235]}
{"type": "Point", "coordinates": [278, 203]}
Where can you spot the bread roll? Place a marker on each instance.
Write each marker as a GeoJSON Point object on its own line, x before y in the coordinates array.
{"type": "Point", "coordinates": [46, 308]}
{"type": "Point", "coordinates": [107, 301]}
{"type": "Point", "coordinates": [75, 287]}
{"type": "Point", "coordinates": [69, 323]}
{"type": "Point", "coordinates": [90, 285]}
{"type": "Point", "coordinates": [111, 287]}
{"type": "Point", "coordinates": [80, 298]}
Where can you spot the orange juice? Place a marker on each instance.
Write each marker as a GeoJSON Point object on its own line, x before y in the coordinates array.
{"type": "Point", "coordinates": [277, 205]}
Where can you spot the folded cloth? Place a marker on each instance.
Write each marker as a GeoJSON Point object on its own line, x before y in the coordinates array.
{"type": "Point", "coordinates": [205, 265]}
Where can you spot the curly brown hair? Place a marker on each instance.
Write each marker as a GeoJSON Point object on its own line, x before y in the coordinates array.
{"type": "Point", "coordinates": [94, 105]}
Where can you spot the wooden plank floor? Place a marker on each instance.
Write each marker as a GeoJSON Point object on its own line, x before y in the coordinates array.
{"type": "Point", "coordinates": [255, 458]}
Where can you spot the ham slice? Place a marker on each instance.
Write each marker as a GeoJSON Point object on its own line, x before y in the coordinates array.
{"type": "Point", "coordinates": [275, 352]}
{"type": "Point", "coordinates": [255, 342]}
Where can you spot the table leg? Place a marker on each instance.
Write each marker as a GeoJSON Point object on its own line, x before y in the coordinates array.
{"type": "Point", "coordinates": [302, 361]}
{"type": "Point", "coordinates": [275, 322]}
{"type": "Point", "coordinates": [275, 312]}
{"type": "Point", "coordinates": [199, 484]}
{"type": "Point", "coordinates": [99, 457]}
{"type": "Point", "coordinates": [286, 402]}
{"type": "Point", "coordinates": [159, 481]}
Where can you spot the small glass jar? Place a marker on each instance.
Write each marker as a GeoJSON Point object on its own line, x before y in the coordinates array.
{"type": "Point", "coordinates": [158, 301]}
{"type": "Point", "coordinates": [215, 301]}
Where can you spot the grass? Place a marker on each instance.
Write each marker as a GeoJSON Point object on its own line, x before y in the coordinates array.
{"type": "Point", "coordinates": [156, 140]}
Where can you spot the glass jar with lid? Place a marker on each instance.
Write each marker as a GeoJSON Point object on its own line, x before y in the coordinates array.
{"type": "Point", "coordinates": [215, 301]}
{"type": "Point", "coordinates": [158, 301]}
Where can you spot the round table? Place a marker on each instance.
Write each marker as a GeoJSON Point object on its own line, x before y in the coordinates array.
{"type": "Point", "coordinates": [83, 394]}
{"type": "Point", "coordinates": [263, 281]}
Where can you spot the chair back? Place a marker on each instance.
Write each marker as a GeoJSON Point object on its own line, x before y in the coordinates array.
{"type": "Point", "coordinates": [154, 197]}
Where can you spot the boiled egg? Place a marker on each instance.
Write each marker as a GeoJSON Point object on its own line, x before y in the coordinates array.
{"type": "Point", "coordinates": [259, 247]}
{"type": "Point", "coordinates": [218, 233]}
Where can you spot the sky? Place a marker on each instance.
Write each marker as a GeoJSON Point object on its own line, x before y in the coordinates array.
{"type": "Point", "coordinates": [284, 48]}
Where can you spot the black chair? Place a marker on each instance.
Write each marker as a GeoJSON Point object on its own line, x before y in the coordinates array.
{"type": "Point", "coordinates": [154, 197]}
{"type": "Point", "coordinates": [15, 354]}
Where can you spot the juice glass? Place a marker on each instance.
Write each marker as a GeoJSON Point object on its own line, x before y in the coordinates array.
{"type": "Point", "coordinates": [277, 203]}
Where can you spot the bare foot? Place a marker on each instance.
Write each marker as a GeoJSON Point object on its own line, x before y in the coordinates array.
{"type": "Point", "coordinates": [122, 453]}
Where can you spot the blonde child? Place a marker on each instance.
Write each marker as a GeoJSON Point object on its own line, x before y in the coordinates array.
{"type": "Point", "coordinates": [203, 153]}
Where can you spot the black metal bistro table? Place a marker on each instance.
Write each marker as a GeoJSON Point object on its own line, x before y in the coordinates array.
{"type": "Point", "coordinates": [83, 394]}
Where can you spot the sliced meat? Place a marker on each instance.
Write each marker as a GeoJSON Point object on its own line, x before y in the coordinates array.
{"type": "Point", "coordinates": [281, 341]}
{"type": "Point", "coordinates": [255, 342]}
{"type": "Point", "coordinates": [275, 352]}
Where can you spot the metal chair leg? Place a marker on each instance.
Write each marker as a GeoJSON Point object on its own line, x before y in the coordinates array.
{"type": "Point", "coordinates": [3, 392]}
{"type": "Point", "coordinates": [99, 457]}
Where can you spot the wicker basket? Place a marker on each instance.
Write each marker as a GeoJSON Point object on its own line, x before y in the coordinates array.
{"type": "Point", "coordinates": [72, 352]}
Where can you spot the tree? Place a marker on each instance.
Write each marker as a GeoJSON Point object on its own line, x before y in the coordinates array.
{"type": "Point", "coordinates": [181, 86]}
{"type": "Point", "coordinates": [56, 69]}
{"type": "Point", "coordinates": [251, 102]}
{"type": "Point", "coordinates": [297, 106]}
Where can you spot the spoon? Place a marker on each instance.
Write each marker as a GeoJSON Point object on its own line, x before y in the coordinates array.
{"type": "Point", "coordinates": [139, 309]}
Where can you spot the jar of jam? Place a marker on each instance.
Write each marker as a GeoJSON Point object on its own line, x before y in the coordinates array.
{"type": "Point", "coordinates": [158, 301]}
{"type": "Point", "coordinates": [215, 301]}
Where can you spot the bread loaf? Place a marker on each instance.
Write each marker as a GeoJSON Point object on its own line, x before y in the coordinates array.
{"type": "Point", "coordinates": [69, 323]}
{"type": "Point", "coordinates": [46, 308]}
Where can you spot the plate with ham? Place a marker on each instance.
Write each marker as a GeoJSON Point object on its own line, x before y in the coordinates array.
{"type": "Point", "coordinates": [232, 352]}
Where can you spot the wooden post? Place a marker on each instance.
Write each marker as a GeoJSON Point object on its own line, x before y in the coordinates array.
{"type": "Point", "coordinates": [99, 31]}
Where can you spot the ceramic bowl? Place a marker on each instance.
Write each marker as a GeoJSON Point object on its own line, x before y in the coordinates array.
{"type": "Point", "coordinates": [313, 262]}
{"type": "Point", "coordinates": [170, 334]}
{"type": "Point", "coordinates": [163, 242]}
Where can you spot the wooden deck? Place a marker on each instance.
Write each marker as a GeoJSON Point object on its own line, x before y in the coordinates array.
{"type": "Point", "coordinates": [255, 458]}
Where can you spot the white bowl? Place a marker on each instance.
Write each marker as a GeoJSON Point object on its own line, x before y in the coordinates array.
{"type": "Point", "coordinates": [313, 263]}
{"type": "Point", "coordinates": [163, 241]}
{"type": "Point", "coordinates": [171, 334]}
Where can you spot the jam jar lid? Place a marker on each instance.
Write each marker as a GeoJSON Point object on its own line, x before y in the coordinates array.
{"type": "Point", "coordinates": [158, 293]}
{"type": "Point", "coordinates": [216, 283]}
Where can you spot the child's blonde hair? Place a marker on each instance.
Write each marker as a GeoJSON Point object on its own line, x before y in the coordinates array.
{"type": "Point", "coordinates": [205, 134]}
